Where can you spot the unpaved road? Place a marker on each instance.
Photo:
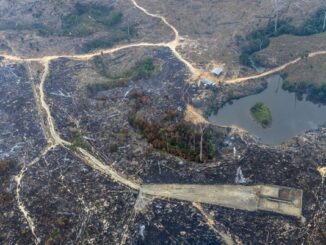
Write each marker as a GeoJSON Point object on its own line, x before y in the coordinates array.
{"type": "Point", "coordinates": [54, 138]}
{"type": "Point", "coordinates": [275, 70]}
{"type": "Point", "coordinates": [172, 45]}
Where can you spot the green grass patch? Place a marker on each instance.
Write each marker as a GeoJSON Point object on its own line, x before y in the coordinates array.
{"type": "Point", "coordinates": [261, 114]}
{"type": "Point", "coordinates": [144, 68]}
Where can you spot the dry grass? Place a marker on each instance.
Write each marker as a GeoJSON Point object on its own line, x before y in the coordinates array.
{"type": "Point", "coordinates": [194, 116]}
{"type": "Point", "coordinates": [212, 28]}
{"type": "Point", "coordinates": [312, 70]}
{"type": "Point", "coordinates": [116, 65]}
{"type": "Point", "coordinates": [19, 35]}
{"type": "Point", "coordinates": [285, 48]}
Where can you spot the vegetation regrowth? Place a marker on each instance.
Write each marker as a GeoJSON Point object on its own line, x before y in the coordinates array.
{"type": "Point", "coordinates": [315, 93]}
{"type": "Point", "coordinates": [261, 114]}
{"type": "Point", "coordinates": [260, 38]}
{"type": "Point", "coordinates": [87, 19]}
{"type": "Point", "coordinates": [144, 68]}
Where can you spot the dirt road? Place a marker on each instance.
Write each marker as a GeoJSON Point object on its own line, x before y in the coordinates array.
{"type": "Point", "coordinates": [232, 196]}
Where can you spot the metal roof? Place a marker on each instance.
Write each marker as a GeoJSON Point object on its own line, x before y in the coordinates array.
{"type": "Point", "coordinates": [217, 70]}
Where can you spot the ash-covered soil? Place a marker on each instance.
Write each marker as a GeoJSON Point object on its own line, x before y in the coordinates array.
{"type": "Point", "coordinates": [21, 130]}
{"type": "Point", "coordinates": [171, 222]}
{"type": "Point", "coordinates": [13, 226]}
{"type": "Point", "coordinates": [130, 110]}
{"type": "Point", "coordinates": [21, 140]}
{"type": "Point", "coordinates": [103, 123]}
{"type": "Point", "coordinates": [71, 203]}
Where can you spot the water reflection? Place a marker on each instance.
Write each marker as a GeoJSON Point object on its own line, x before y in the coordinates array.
{"type": "Point", "coordinates": [290, 116]}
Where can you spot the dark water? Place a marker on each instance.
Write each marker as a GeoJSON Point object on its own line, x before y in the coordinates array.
{"type": "Point", "coordinates": [290, 116]}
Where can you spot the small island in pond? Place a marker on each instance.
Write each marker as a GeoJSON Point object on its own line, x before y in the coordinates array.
{"type": "Point", "coordinates": [261, 114]}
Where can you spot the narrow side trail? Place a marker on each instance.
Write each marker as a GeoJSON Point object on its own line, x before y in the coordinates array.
{"type": "Point", "coordinates": [173, 44]}
{"type": "Point", "coordinates": [54, 139]}
{"type": "Point", "coordinates": [176, 32]}
{"type": "Point", "coordinates": [18, 178]}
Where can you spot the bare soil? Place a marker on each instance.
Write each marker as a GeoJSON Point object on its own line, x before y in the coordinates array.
{"type": "Point", "coordinates": [19, 33]}
{"type": "Point", "coordinates": [213, 29]}
{"type": "Point", "coordinates": [311, 71]}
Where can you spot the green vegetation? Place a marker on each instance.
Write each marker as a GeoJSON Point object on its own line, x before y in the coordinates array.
{"type": "Point", "coordinates": [315, 93]}
{"type": "Point", "coordinates": [87, 19]}
{"type": "Point", "coordinates": [260, 39]}
{"type": "Point", "coordinates": [213, 107]}
{"type": "Point", "coordinates": [113, 148]}
{"type": "Point", "coordinates": [108, 41]}
{"type": "Point", "coordinates": [101, 67]}
{"type": "Point", "coordinates": [54, 233]}
{"type": "Point", "coordinates": [307, 77]}
{"type": "Point", "coordinates": [262, 114]}
{"type": "Point", "coordinates": [180, 139]}
{"type": "Point", "coordinates": [144, 68]}
{"type": "Point", "coordinates": [228, 96]}
{"type": "Point", "coordinates": [78, 141]}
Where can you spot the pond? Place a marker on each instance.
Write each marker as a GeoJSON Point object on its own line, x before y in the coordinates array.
{"type": "Point", "coordinates": [290, 116]}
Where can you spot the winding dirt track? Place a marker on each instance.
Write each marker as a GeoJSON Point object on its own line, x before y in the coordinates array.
{"type": "Point", "coordinates": [18, 179]}
{"type": "Point", "coordinates": [55, 139]}
{"type": "Point", "coordinates": [275, 70]}
{"type": "Point", "coordinates": [172, 45]}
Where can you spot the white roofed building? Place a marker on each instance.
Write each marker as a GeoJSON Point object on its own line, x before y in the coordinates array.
{"type": "Point", "coordinates": [217, 71]}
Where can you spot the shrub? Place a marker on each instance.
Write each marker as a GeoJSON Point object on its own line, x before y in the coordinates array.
{"type": "Point", "coordinates": [181, 139]}
{"type": "Point", "coordinates": [78, 141]}
{"type": "Point", "coordinates": [315, 93]}
{"type": "Point", "coordinates": [113, 148]}
{"type": "Point", "coordinates": [261, 114]}
{"type": "Point", "coordinates": [143, 69]}
{"type": "Point", "coordinates": [260, 39]}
